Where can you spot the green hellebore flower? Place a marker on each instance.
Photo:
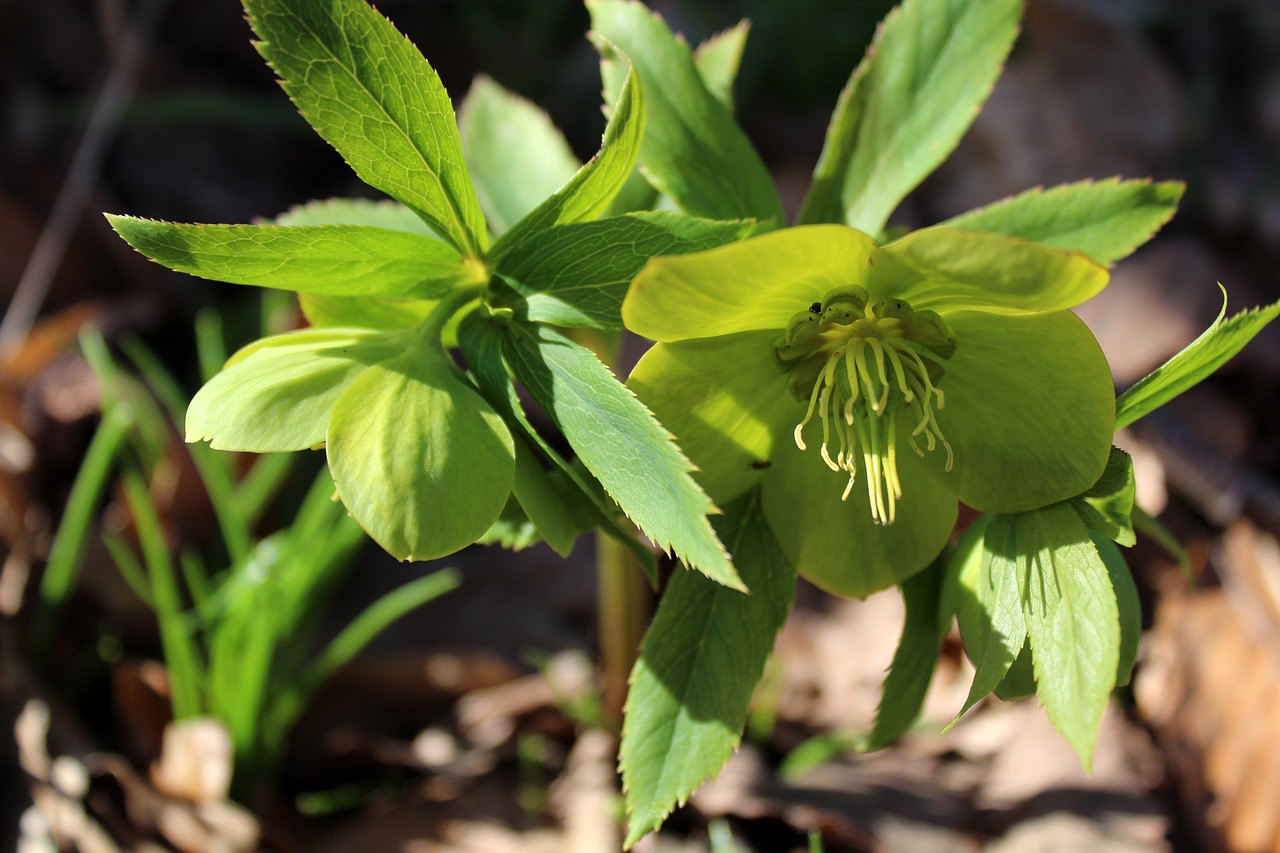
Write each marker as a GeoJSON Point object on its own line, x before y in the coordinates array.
{"type": "Point", "coordinates": [943, 366]}
{"type": "Point", "coordinates": [418, 457]}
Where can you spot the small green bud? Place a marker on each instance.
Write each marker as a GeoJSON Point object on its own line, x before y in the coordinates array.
{"type": "Point", "coordinates": [802, 327]}
{"type": "Point", "coordinates": [929, 330]}
{"type": "Point", "coordinates": [897, 309]}
{"type": "Point", "coordinates": [843, 305]}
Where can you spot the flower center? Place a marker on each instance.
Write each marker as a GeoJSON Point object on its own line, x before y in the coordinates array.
{"type": "Point", "coordinates": [861, 366]}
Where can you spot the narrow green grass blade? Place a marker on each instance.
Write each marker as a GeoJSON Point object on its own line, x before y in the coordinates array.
{"type": "Point", "coordinates": [262, 482]}
{"type": "Point", "coordinates": [130, 566]}
{"type": "Point", "coordinates": [67, 552]}
{"type": "Point", "coordinates": [156, 375]}
{"type": "Point", "coordinates": [376, 618]}
{"type": "Point", "coordinates": [211, 346]}
{"type": "Point", "coordinates": [103, 366]}
{"type": "Point", "coordinates": [195, 576]}
{"type": "Point", "coordinates": [215, 468]}
{"type": "Point", "coordinates": [181, 657]}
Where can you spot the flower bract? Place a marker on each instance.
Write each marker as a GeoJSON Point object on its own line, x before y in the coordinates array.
{"type": "Point", "coordinates": [865, 389]}
{"type": "Point", "coordinates": [418, 456]}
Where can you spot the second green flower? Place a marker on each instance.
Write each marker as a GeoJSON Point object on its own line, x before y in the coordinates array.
{"type": "Point", "coordinates": [865, 388]}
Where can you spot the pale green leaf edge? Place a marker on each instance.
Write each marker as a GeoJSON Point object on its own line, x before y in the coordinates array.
{"type": "Point", "coordinates": [1217, 345]}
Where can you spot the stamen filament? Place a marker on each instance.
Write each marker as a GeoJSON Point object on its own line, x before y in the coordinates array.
{"type": "Point", "coordinates": [861, 399]}
{"type": "Point", "coordinates": [878, 349]}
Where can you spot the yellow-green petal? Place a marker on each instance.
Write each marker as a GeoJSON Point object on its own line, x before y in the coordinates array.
{"type": "Point", "coordinates": [1030, 409]}
{"type": "Point", "coordinates": [948, 269]}
{"type": "Point", "coordinates": [835, 544]}
{"type": "Point", "coordinates": [418, 457]}
{"type": "Point", "coordinates": [276, 393]}
{"type": "Point", "coordinates": [747, 286]}
{"type": "Point", "coordinates": [725, 402]}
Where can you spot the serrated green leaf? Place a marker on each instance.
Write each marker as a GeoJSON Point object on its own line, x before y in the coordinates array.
{"type": "Point", "coordinates": [431, 489]}
{"type": "Point", "coordinates": [986, 601]}
{"type": "Point", "coordinates": [1107, 508]}
{"type": "Point", "coordinates": [905, 686]}
{"type": "Point", "coordinates": [367, 312]}
{"type": "Point", "coordinates": [1127, 605]}
{"type": "Point", "coordinates": [1214, 348]}
{"type": "Point", "coordinates": [923, 80]}
{"type": "Point", "coordinates": [516, 156]}
{"type": "Point", "coordinates": [326, 260]}
{"type": "Point", "coordinates": [578, 274]}
{"type": "Point", "coordinates": [1073, 622]}
{"type": "Point", "coordinates": [1106, 220]}
{"type": "Point", "coordinates": [717, 60]}
{"type": "Point", "coordinates": [370, 93]}
{"type": "Point", "coordinates": [702, 657]}
{"type": "Point", "coordinates": [481, 343]}
{"type": "Point", "coordinates": [379, 213]}
{"type": "Point", "coordinates": [622, 444]}
{"type": "Point", "coordinates": [276, 394]}
{"type": "Point", "coordinates": [693, 150]}
{"type": "Point", "coordinates": [589, 193]}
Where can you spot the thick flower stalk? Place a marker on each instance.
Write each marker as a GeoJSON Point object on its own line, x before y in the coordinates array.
{"type": "Point", "coordinates": [866, 389]}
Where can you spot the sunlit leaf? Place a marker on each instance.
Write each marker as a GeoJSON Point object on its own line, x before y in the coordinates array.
{"type": "Point", "coordinates": [370, 93]}
{"type": "Point", "coordinates": [929, 70]}
{"type": "Point", "coordinates": [1214, 348]}
{"type": "Point", "coordinates": [326, 260]}
{"type": "Point", "coordinates": [1104, 219]}
{"type": "Point", "coordinates": [516, 156]}
{"type": "Point", "coordinates": [693, 150]}
{"type": "Point", "coordinates": [702, 657]}
{"type": "Point", "coordinates": [622, 444]}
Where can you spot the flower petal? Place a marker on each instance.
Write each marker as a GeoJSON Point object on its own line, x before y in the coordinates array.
{"type": "Point", "coordinates": [276, 393]}
{"type": "Point", "coordinates": [1030, 409]}
{"type": "Point", "coordinates": [418, 457]}
{"type": "Point", "coordinates": [725, 402]}
{"type": "Point", "coordinates": [834, 543]}
{"type": "Point", "coordinates": [947, 269]}
{"type": "Point", "coordinates": [755, 284]}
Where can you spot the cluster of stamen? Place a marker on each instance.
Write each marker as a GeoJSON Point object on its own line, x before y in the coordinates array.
{"type": "Point", "coordinates": [860, 365]}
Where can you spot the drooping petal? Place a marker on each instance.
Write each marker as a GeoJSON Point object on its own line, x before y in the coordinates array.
{"type": "Point", "coordinates": [1030, 409]}
{"type": "Point", "coordinates": [752, 285]}
{"type": "Point", "coordinates": [725, 402]}
{"type": "Point", "coordinates": [276, 394]}
{"type": "Point", "coordinates": [836, 544]}
{"type": "Point", "coordinates": [418, 457]}
{"type": "Point", "coordinates": [947, 269]}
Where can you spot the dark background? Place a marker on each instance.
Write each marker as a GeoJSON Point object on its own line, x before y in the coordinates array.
{"type": "Point", "coordinates": [1170, 89]}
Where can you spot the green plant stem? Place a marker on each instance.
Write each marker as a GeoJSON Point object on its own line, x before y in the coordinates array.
{"type": "Point", "coordinates": [432, 328]}
{"type": "Point", "coordinates": [622, 604]}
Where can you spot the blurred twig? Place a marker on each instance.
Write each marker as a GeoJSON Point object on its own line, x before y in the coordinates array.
{"type": "Point", "coordinates": [99, 131]}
